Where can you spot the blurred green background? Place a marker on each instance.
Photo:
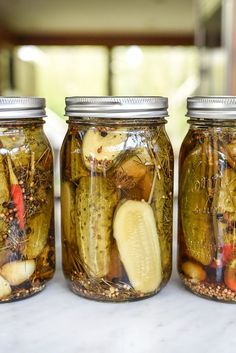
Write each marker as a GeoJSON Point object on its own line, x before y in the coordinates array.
{"type": "Point", "coordinates": [154, 47]}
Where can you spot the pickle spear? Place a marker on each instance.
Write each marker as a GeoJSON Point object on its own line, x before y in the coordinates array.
{"type": "Point", "coordinates": [4, 198]}
{"type": "Point", "coordinates": [138, 244]}
{"type": "Point", "coordinates": [95, 203]}
{"type": "Point", "coordinates": [194, 210]}
{"type": "Point", "coordinates": [39, 226]}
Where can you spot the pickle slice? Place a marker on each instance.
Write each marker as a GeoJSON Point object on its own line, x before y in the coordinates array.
{"type": "Point", "coordinates": [194, 210]}
{"type": "Point", "coordinates": [138, 244]}
{"type": "Point", "coordinates": [95, 203]}
{"type": "Point", "coordinates": [101, 148]}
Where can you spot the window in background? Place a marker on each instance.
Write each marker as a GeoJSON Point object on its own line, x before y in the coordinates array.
{"type": "Point", "coordinates": [62, 71]}
{"type": "Point", "coordinates": [213, 73]}
{"type": "Point", "coordinates": [56, 72]}
{"type": "Point", "coordinates": [166, 71]}
{"type": "Point", "coordinates": [6, 79]}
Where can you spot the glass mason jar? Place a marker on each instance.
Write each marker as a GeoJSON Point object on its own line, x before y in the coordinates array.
{"type": "Point", "coordinates": [26, 199]}
{"type": "Point", "coordinates": [116, 197]}
{"type": "Point", "coordinates": [207, 199]}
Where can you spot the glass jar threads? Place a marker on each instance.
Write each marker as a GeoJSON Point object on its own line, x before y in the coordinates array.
{"type": "Point", "coordinates": [26, 199]}
{"type": "Point", "coordinates": [116, 197]}
{"type": "Point", "coordinates": [207, 199]}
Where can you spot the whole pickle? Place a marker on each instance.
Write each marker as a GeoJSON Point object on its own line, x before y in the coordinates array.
{"type": "Point", "coordinates": [225, 198]}
{"type": "Point", "coordinates": [67, 223]}
{"type": "Point", "coordinates": [162, 205]}
{"type": "Point", "coordinates": [194, 205]}
{"type": "Point", "coordinates": [95, 204]}
{"type": "Point", "coordinates": [162, 202]}
{"type": "Point", "coordinates": [39, 226]}
{"type": "Point", "coordinates": [231, 148]}
{"type": "Point", "coordinates": [224, 202]}
{"type": "Point", "coordinates": [68, 210]}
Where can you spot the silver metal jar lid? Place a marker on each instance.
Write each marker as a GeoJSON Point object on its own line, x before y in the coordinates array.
{"type": "Point", "coordinates": [22, 107]}
{"type": "Point", "coordinates": [117, 107]}
{"type": "Point", "coordinates": [212, 107]}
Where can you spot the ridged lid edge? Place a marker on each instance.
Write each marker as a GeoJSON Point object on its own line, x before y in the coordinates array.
{"type": "Point", "coordinates": [210, 107]}
{"type": "Point", "coordinates": [22, 107]}
{"type": "Point", "coordinates": [116, 106]}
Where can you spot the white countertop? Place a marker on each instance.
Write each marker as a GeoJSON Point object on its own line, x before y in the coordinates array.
{"type": "Point", "coordinates": [174, 321]}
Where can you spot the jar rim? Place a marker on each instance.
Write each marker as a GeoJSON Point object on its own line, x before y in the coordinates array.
{"type": "Point", "coordinates": [212, 107]}
{"type": "Point", "coordinates": [16, 107]}
{"type": "Point", "coordinates": [127, 107]}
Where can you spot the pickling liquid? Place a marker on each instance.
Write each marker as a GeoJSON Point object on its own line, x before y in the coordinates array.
{"type": "Point", "coordinates": [207, 211]}
{"type": "Point", "coordinates": [27, 250]}
{"type": "Point", "coordinates": [116, 199]}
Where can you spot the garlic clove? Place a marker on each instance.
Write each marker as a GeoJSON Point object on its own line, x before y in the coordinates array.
{"type": "Point", "coordinates": [5, 288]}
{"type": "Point", "coordinates": [17, 272]}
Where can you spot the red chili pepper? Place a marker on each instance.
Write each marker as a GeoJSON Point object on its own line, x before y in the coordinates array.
{"type": "Point", "coordinates": [224, 257]}
{"type": "Point", "coordinates": [16, 194]}
{"type": "Point", "coordinates": [228, 253]}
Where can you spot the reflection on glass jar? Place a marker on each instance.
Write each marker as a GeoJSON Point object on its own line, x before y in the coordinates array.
{"type": "Point", "coordinates": [26, 199]}
{"type": "Point", "coordinates": [116, 196]}
{"type": "Point", "coordinates": [207, 199]}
